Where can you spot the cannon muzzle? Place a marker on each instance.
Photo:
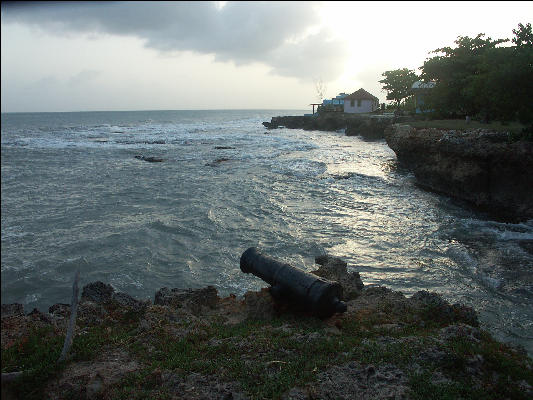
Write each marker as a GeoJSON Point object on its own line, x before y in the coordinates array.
{"type": "Point", "coordinates": [318, 295]}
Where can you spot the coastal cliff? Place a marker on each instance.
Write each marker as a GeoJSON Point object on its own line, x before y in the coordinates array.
{"type": "Point", "coordinates": [191, 343]}
{"type": "Point", "coordinates": [484, 168]}
{"type": "Point", "coordinates": [369, 127]}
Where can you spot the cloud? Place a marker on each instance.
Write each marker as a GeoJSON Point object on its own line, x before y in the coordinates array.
{"type": "Point", "coordinates": [274, 33]}
{"type": "Point", "coordinates": [85, 76]}
{"type": "Point", "coordinates": [315, 56]}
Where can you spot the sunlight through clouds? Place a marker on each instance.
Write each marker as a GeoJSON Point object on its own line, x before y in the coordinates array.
{"type": "Point", "coordinates": [181, 54]}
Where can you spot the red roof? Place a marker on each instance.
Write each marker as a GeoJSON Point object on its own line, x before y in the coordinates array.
{"type": "Point", "coordinates": [361, 94]}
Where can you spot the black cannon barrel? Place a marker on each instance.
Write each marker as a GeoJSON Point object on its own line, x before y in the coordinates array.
{"type": "Point", "coordinates": [317, 294]}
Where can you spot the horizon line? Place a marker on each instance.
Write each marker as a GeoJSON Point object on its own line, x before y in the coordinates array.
{"type": "Point", "coordinates": [198, 109]}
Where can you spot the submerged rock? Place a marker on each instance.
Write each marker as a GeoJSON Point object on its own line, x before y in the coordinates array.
{"type": "Point", "coordinates": [217, 162]}
{"type": "Point", "coordinates": [149, 159]}
{"type": "Point", "coordinates": [155, 142]}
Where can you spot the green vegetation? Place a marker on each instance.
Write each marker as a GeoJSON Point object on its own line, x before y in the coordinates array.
{"type": "Point", "coordinates": [423, 388]}
{"type": "Point", "coordinates": [479, 77]}
{"type": "Point", "coordinates": [461, 124]}
{"type": "Point", "coordinates": [267, 358]}
{"type": "Point", "coordinates": [36, 355]}
{"type": "Point", "coordinates": [398, 84]}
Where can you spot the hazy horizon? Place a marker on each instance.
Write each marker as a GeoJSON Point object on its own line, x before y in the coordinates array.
{"type": "Point", "coordinates": [159, 110]}
{"type": "Point", "coordinates": [154, 56]}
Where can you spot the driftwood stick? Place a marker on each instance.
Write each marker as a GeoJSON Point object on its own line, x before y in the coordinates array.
{"type": "Point", "coordinates": [72, 322]}
{"type": "Point", "coordinates": [11, 376]}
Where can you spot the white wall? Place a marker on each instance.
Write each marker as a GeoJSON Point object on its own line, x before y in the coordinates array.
{"type": "Point", "coordinates": [366, 106]}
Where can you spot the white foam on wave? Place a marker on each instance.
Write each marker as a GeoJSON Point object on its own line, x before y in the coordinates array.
{"type": "Point", "coordinates": [501, 231]}
{"type": "Point", "coordinates": [486, 276]}
{"type": "Point", "coordinates": [10, 232]}
{"type": "Point", "coordinates": [291, 146]}
{"type": "Point", "coordinates": [300, 168]}
{"type": "Point", "coordinates": [493, 283]}
{"type": "Point", "coordinates": [265, 155]}
{"type": "Point", "coordinates": [32, 298]}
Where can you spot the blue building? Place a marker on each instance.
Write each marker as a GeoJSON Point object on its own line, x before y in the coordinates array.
{"type": "Point", "coordinates": [420, 90]}
{"type": "Point", "coordinates": [336, 101]}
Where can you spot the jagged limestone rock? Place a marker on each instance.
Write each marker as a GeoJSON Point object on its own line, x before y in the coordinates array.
{"type": "Point", "coordinates": [335, 269]}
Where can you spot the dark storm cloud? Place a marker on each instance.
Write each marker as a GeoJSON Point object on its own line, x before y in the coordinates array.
{"type": "Point", "coordinates": [242, 32]}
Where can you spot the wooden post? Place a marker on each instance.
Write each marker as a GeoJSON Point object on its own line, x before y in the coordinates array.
{"type": "Point", "coordinates": [315, 104]}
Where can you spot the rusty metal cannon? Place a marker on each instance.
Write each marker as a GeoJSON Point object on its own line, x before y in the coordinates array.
{"type": "Point", "coordinates": [316, 294]}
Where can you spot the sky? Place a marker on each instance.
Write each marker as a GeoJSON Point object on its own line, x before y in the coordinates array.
{"type": "Point", "coordinates": [105, 56]}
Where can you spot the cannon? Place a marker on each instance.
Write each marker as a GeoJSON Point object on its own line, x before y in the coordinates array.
{"type": "Point", "coordinates": [316, 294]}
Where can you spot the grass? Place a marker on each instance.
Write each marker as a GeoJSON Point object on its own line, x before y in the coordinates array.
{"type": "Point", "coordinates": [36, 355]}
{"type": "Point", "coordinates": [266, 361]}
{"type": "Point", "coordinates": [422, 388]}
{"type": "Point", "coordinates": [267, 358]}
{"type": "Point", "coordinates": [499, 364]}
{"type": "Point", "coordinates": [460, 124]}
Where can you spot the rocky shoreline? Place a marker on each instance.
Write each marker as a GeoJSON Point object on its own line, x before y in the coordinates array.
{"type": "Point", "coordinates": [484, 168]}
{"type": "Point", "coordinates": [369, 127]}
{"type": "Point", "coordinates": [193, 344]}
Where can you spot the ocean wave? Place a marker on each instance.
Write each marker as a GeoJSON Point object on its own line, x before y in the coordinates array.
{"type": "Point", "coordinates": [299, 167]}
{"type": "Point", "coordinates": [78, 189]}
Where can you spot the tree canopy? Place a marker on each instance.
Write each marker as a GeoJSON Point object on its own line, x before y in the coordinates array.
{"type": "Point", "coordinates": [398, 84]}
{"type": "Point", "coordinates": [478, 77]}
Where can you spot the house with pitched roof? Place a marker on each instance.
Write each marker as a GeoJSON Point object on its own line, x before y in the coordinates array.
{"type": "Point", "coordinates": [360, 101]}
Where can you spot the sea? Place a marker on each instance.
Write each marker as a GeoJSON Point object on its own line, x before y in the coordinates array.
{"type": "Point", "coordinates": [76, 197]}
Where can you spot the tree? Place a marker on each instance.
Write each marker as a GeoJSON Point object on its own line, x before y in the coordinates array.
{"type": "Point", "coordinates": [320, 89]}
{"type": "Point", "coordinates": [522, 69]}
{"type": "Point", "coordinates": [478, 78]}
{"type": "Point", "coordinates": [523, 36]}
{"type": "Point", "coordinates": [398, 84]}
{"type": "Point", "coordinates": [458, 74]}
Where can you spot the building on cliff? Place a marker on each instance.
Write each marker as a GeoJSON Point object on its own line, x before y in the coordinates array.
{"type": "Point", "coordinates": [360, 101]}
{"type": "Point", "coordinates": [334, 104]}
{"type": "Point", "coordinates": [420, 90]}
{"type": "Point", "coordinates": [335, 101]}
